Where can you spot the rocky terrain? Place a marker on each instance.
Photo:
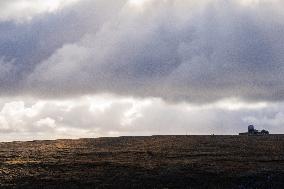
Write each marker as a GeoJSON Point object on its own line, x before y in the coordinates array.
{"type": "Point", "coordinates": [145, 162]}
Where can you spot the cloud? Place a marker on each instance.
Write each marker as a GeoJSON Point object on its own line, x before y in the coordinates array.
{"type": "Point", "coordinates": [105, 115]}
{"type": "Point", "coordinates": [25, 45]}
{"type": "Point", "coordinates": [168, 67]}
{"type": "Point", "coordinates": [177, 50]}
{"type": "Point", "coordinates": [88, 116]}
{"type": "Point", "coordinates": [5, 68]}
{"type": "Point", "coordinates": [25, 10]}
{"type": "Point", "coordinates": [217, 50]}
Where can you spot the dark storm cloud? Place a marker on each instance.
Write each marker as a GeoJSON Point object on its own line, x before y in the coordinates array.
{"type": "Point", "coordinates": [177, 50]}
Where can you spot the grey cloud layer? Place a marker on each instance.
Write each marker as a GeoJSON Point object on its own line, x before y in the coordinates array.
{"type": "Point", "coordinates": [177, 50]}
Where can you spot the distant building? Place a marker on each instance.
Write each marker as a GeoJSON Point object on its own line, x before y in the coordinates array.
{"type": "Point", "coordinates": [253, 131]}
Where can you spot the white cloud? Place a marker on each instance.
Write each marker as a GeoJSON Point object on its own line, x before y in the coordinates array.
{"type": "Point", "coordinates": [106, 115]}
{"type": "Point", "coordinates": [254, 3]}
{"type": "Point", "coordinates": [46, 122]}
{"type": "Point", "coordinates": [24, 10]}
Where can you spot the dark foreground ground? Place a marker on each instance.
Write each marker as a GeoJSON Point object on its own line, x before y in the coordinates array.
{"type": "Point", "coordinates": [145, 162]}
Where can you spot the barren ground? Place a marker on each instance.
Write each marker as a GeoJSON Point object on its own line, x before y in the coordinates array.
{"type": "Point", "coordinates": [145, 162]}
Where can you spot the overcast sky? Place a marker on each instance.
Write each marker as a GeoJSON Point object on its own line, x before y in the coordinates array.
{"type": "Point", "coordinates": [91, 68]}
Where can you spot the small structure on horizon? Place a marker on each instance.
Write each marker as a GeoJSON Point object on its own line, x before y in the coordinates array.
{"type": "Point", "coordinates": [252, 131]}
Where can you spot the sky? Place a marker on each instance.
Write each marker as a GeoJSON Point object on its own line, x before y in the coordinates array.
{"type": "Point", "coordinates": [94, 68]}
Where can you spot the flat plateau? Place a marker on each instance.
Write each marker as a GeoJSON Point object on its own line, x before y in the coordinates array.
{"type": "Point", "coordinates": [145, 162]}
